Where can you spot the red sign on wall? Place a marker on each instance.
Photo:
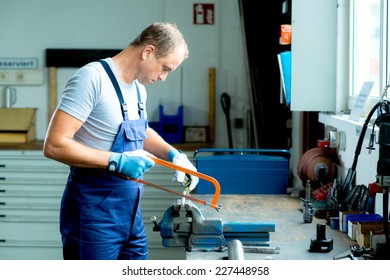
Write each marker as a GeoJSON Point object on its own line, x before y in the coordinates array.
{"type": "Point", "coordinates": [203, 13]}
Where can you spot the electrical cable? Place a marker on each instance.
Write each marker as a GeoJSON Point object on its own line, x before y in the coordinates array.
{"type": "Point", "coordinates": [361, 136]}
{"type": "Point", "coordinates": [383, 105]}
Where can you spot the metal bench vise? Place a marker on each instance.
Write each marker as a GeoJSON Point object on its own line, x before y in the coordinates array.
{"type": "Point", "coordinates": [197, 233]}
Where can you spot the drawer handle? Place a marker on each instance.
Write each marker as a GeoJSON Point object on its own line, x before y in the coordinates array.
{"type": "Point", "coordinates": [2, 165]}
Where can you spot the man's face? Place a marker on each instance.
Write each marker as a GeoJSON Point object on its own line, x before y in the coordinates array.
{"type": "Point", "coordinates": [154, 69]}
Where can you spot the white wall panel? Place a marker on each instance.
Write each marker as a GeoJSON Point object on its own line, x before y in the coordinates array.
{"type": "Point", "coordinates": [313, 49]}
{"type": "Point", "coordinates": [35, 25]}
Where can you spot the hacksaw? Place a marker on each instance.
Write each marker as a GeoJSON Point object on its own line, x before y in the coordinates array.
{"type": "Point", "coordinates": [214, 203]}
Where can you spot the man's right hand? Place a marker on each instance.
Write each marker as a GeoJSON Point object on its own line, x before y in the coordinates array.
{"type": "Point", "coordinates": [131, 164]}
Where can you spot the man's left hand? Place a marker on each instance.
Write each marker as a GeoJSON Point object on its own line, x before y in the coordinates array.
{"type": "Point", "coordinates": [181, 159]}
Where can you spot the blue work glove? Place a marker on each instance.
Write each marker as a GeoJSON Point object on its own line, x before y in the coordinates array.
{"type": "Point", "coordinates": [131, 164]}
{"type": "Point", "coordinates": [181, 159]}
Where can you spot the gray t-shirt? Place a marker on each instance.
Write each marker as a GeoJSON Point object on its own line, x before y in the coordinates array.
{"type": "Point", "coordinates": [90, 97]}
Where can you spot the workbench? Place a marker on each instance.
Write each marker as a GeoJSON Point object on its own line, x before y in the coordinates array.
{"type": "Point", "coordinates": [32, 199]}
{"type": "Point", "coordinates": [292, 237]}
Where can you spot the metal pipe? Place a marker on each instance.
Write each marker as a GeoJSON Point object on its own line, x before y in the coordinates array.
{"type": "Point", "coordinates": [235, 250]}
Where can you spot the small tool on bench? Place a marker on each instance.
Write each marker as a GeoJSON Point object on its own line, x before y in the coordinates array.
{"type": "Point", "coordinates": [321, 244]}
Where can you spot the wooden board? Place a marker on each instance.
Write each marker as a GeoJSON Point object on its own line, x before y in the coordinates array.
{"type": "Point", "coordinates": [52, 91]}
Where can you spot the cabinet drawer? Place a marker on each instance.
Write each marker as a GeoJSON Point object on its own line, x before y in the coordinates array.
{"type": "Point", "coordinates": [9, 208]}
{"type": "Point", "coordinates": [29, 200]}
{"type": "Point", "coordinates": [36, 190]}
{"type": "Point", "coordinates": [29, 228]}
{"type": "Point", "coordinates": [35, 177]}
{"type": "Point", "coordinates": [30, 250]}
{"type": "Point", "coordinates": [22, 161]}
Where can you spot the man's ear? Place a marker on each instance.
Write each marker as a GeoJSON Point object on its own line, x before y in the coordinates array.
{"type": "Point", "coordinates": [147, 50]}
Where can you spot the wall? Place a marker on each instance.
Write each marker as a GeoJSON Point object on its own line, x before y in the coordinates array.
{"type": "Point", "coordinates": [35, 25]}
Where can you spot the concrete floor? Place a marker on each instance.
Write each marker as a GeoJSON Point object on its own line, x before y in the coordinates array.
{"type": "Point", "coordinates": [291, 239]}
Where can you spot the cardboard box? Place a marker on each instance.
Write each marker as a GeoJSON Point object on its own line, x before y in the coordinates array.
{"type": "Point", "coordinates": [376, 238]}
{"type": "Point", "coordinates": [354, 219]}
{"type": "Point", "coordinates": [17, 125]}
{"type": "Point", "coordinates": [342, 219]}
{"type": "Point", "coordinates": [363, 240]}
{"type": "Point", "coordinates": [361, 218]}
{"type": "Point", "coordinates": [352, 229]}
{"type": "Point", "coordinates": [364, 229]}
{"type": "Point", "coordinates": [367, 226]}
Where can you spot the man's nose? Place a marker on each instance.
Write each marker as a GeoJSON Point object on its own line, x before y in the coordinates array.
{"type": "Point", "coordinates": [163, 76]}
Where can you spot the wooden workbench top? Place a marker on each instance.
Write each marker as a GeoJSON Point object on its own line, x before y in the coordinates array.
{"type": "Point", "coordinates": [33, 145]}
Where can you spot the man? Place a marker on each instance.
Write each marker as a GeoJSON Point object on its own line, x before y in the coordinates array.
{"type": "Point", "coordinates": [100, 130]}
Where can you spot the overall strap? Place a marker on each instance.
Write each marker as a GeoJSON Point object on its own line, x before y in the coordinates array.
{"type": "Point", "coordinates": [116, 86]}
{"type": "Point", "coordinates": [141, 105]}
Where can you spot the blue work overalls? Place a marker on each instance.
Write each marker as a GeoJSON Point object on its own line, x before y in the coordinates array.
{"type": "Point", "coordinates": [100, 214]}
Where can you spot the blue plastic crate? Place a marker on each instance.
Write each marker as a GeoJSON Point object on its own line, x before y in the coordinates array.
{"type": "Point", "coordinates": [244, 171]}
{"type": "Point", "coordinates": [155, 126]}
{"type": "Point", "coordinates": [171, 126]}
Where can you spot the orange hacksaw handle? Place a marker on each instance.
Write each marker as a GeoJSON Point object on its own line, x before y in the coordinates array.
{"type": "Point", "coordinates": [195, 173]}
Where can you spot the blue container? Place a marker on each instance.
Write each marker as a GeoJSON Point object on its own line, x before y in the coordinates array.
{"type": "Point", "coordinates": [244, 171]}
{"type": "Point", "coordinates": [171, 126]}
{"type": "Point", "coordinates": [155, 126]}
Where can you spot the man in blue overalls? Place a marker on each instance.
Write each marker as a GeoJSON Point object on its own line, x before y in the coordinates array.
{"type": "Point", "coordinates": [100, 130]}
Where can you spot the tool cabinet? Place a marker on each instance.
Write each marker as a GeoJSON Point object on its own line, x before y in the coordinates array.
{"type": "Point", "coordinates": [30, 190]}
{"type": "Point", "coordinates": [31, 187]}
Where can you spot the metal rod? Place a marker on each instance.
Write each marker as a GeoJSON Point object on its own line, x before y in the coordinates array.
{"type": "Point", "coordinates": [235, 250]}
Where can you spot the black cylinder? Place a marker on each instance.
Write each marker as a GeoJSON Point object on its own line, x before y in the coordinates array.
{"type": "Point", "coordinates": [383, 166]}
{"type": "Point", "coordinates": [321, 231]}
